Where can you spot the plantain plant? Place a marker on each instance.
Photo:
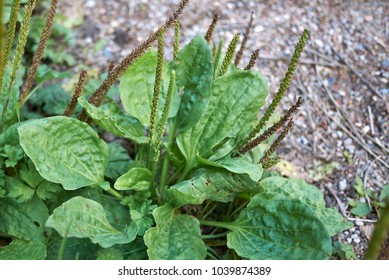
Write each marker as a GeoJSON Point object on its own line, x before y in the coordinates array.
{"type": "Point", "coordinates": [198, 184]}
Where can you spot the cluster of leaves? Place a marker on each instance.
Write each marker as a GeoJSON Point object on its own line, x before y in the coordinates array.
{"type": "Point", "coordinates": [198, 186]}
{"type": "Point", "coordinates": [366, 199]}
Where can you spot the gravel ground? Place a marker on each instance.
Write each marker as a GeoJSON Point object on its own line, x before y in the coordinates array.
{"type": "Point", "coordinates": [342, 131]}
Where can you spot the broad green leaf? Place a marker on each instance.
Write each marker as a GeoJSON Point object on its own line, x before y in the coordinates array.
{"type": "Point", "coordinates": [237, 166]}
{"type": "Point", "coordinates": [235, 101]}
{"type": "Point", "coordinates": [25, 221]}
{"type": "Point", "coordinates": [194, 72]}
{"type": "Point", "coordinates": [47, 190]}
{"type": "Point", "coordinates": [2, 183]}
{"type": "Point", "coordinates": [124, 237]}
{"type": "Point", "coordinates": [141, 214]}
{"type": "Point", "coordinates": [136, 250]}
{"type": "Point", "coordinates": [50, 100]}
{"type": "Point", "coordinates": [80, 217]}
{"type": "Point", "coordinates": [278, 227]}
{"type": "Point", "coordinates": [137, 87]}
{"type": "Point", "coordinates": [23, 250]}
{"type": "Point", "coordinates": [213, 184]}
{"type": "Point", "coordinates": [75, 248]}
{"type": "Point", "coordinates": [361, 209]}
{"type": "Point", "coordinates": [175, 237]}
{"type": "Point", "coordinates": [359, 186]}
{"type": "Point", "coordinates": [118, 161]}
{"type": "Point", "coordinates": [65, 151]}
{"type": "Point", "coordinates": [308, 194]}
{"type": "Point", "coordinates": [13, 155]}
{"type": "Point", "coordinates": [113, 120]}
{"type": "Point", "coordinates": [137, 178]}
{"type": "Point", "coordinates": [109, 254]}
{"type": "Point", "coordinates": [18, 191]}
{"type": "Point", "coordinates": [384, 192]}
{"type": "Point", "coordinates": [45, 73]}
{"type": "Point", "coordinates": [333, 221]}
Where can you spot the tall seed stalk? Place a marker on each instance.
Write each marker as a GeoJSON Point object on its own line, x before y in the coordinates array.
{"type": "Point", "coordinates": [24, 30]}
{"type": "Point", "coordinates": [36, 61]}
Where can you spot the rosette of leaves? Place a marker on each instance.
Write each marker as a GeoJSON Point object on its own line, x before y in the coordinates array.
{"type": "Point", "coordinates": [190, 186]}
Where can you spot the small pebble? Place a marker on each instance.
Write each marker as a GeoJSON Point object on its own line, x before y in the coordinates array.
{"type": "Point", "coordinates": [349, 240]}
{"type": "Point", "coordinates": [90, 3]}
{"type": "Point", "coordinates": [354, 236]}
{"type": "Point", "coordinates": [385, 63]}
{"type": "Point", "coordinates": [348, 141]}
{"type": "Point", "coordinates": [343, 184]}
{"type": "Point", "coordinates": [362, 200]}
{"type": "Point", "coordinates": [359, 223]}
{"type": "Point", "coordinates": [357, 240]}
{"type": "Point", "coordinates": [346, 233]}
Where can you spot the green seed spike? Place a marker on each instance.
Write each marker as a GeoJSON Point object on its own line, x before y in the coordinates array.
{"type": "Point", "coordinates": [9, 39]}
{"type": "Point", "coordinates": [25, 26]}
{"type": "Point", "coordinates": [176, 46]}
{"type": "Point", "coordinates": [2, 29]}
{"type": "Point", "coordinates": [271, 130]}
{"type": "Point", "coordinates": [165, 115]}
{"type": "Point", "coordinates": [229, 55]}
{"type": "Point", "coordinates": [217, 58]}
{"type": "Point", "coordinates": [157, 86]}
{"type": "Point", "coordinates": [284, 84]}
{"type": "Point", "coordinates": [276, 143]}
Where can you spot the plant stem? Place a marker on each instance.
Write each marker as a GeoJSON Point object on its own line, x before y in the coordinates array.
{"type": "Point", "coordinates": [115, 193]}
{"type": "Point", "coordinates": [188, 168]}
{"type": "Point", "coordinates": [215, 224]}
{"type": "Point", "coordinates": [213, 236]}
{"type": "Point", "coordinates": [165, 164]}
{"type": "Point", "coordinates": [379, 234]}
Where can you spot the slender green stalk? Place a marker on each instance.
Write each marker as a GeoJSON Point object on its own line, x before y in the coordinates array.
{"type": "Point", "coordinates": [165, 164]}
{"type": "Point", "coordinates": [9, 40]}
{"type": "Point", "coordinates": [2, 32]}
{"type": "Point", "coordinates": [215, 224]}
{"type": "Point", "coordinates": [229, 55]}
{"type": "Point", "coordinates": [165, 116]}
{"type": "Point", "coordinates": [214, 236]}
{"type": "Point", "coordinates": [24, 29]}
{"type": "Point", "coordinates": [63, 244]}
{"type": "Point", "coordinates": [217, 58]}
{"type": "Point", "coordinates": [157, 88]}
{"type": "Point", "coordinates": [36, 61]}
{"type": "Point", "coordinates": [115, 193]}
{"type": "Point", "coordinates": [381, 231]}
{"type": "Point", "coordinates": [176, 46]}
{"type": "Point", "coordinates": [239, 54]}
{"type": "Point", "coordinates": [284, 84]}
